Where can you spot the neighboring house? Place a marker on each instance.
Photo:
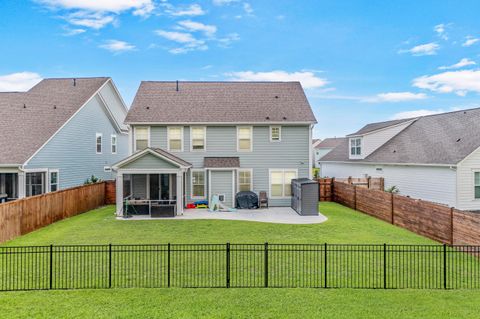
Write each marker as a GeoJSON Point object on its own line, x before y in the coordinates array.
{"type": "Point", "coordinates": [315, 142]}
{"type": "Point", "coordinates": [191, 140]}
{"type": "Point", "coordinates": [322, 148]}
{"type": "Point", "coordinates": [435, 157]}
{"type": "Point", "coordinates": [58, 134]}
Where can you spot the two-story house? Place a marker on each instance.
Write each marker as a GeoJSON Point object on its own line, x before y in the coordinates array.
{"type": "Point", "coordinates": [191, 140]}
{"type": "Point", "coordinates": [435, 157]}
{"type": "Point", "coordinates": [58, 134]}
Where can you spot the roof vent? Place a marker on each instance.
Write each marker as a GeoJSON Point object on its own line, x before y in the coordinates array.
{"type": "Point", "coordinates": [177, 85]}
{"type": "Point", "coordinates": [458, 140]}
{"type": "Point", "coordinates": [148, 107]}
{"type": "Point", "coordinates": [267, 118]}
{"type": "Point", "coordinates": [284, 117]}
{"type": "Point", "coordinates": [464, 112]}
{"type": "Point", "coordinates": [394, 151]}
{"type": "Point", "coordinates": [24, 106]}
{"type": "Point", "coordinates": [54, 107]}
{"type": "Point", "coordinates": [74, 82]}
{"type": "Point", "coordinates": [276, 96]}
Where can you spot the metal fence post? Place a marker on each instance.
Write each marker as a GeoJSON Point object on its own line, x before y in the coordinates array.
{"type": "Point", "coordinates": [109, 265]}
{"type": "Point", "coordinates": [266, 264]}
{"type": "Point", "coordinates": [228, 265]}
{"type": "Point", "coordinates": [168, 265]}
{"type": "Point", "coordinates": [51, 267]}
{"type": "Point", "coordinates": [445, 266]}
{"type": "Point", "coordinates": [384, 266]}
{"type": "Point", "coordinates": [325, 285]}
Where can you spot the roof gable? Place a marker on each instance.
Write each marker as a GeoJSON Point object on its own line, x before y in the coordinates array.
{"type": "Point", "coordinates": [220, 102]}
{"type": "Point", "coordinates": [152, 158]}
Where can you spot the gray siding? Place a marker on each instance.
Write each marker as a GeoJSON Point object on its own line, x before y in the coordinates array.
{"type": "Point", "coordinates": [149, 161]}
{"type": "Point", "coordinates": [291, 152]}
{"type": "Point", "coordinates": [221, 182]}
{"type": "Point", "coordinates": [73, 149]}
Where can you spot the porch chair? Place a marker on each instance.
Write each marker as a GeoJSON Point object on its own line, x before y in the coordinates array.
{"type": "Point", "coordinates": [262, 199]}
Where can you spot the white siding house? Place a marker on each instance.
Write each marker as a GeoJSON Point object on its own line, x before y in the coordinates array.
{"type": "Point", "coordinates": [434, 158]}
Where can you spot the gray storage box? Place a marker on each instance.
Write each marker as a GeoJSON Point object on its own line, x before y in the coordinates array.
{"type": "Point", "coordinates": [305, 196]}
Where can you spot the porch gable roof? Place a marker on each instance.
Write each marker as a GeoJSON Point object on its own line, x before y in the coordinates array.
{"type": "Point", "coordinates": [154, 153]}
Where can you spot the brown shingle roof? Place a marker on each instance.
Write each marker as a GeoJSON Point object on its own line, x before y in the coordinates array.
{"type": "Point", "coordinates": [220, 102]}
{"type": "Point", "coordinates": [378, 125]}
{"type": "Point", "coordinates": [172, 157]}
{"type": "Point", "coordinates": [330, 142]}
{"type": "Point", "coordinates": [221, 162]}
{"type": "Point", "coordinates": [29, 119]}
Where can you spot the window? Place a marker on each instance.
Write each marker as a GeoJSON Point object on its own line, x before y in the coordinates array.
{"type": "Point", "coordinates": [175, 138]}
{"type": "Point", "coordinates": [35, 183]}
{"type": "Point", "coordinates": [244, 139]}
{"type": "Point", "coordinates": [477, 185]}
{"type": "Point", "coordinates": [356, 146]}
{"type": "Point", "coordinates": [53, 180]}
{"type": "Point", "coordinates": [142, 135]}
{"type": "Point", "coordinates": [198, 184]}
{"type": "Point", "coordinates": [281, 182]}
{"type": "Point", "coordinates": [98, 142]}
{"type": "Point", "coordinates": [113, 142]}
{"type": "Point", "coordinates": [197, 138]}
{"type": "Point", "coordinates": [275, 133]}
{"type": "Point", "coordinates": [245, 180]}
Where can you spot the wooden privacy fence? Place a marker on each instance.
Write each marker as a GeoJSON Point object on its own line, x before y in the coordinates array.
{"type": "Point", "coordinates": [436, 221]}
{"type": "Point", "coordinates": [28, 214]}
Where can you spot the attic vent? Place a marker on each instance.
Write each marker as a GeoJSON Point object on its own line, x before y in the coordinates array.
{"type": "Point", "coordinates": [276, 96]}
{"type": "Point", "coordinates": [148, 107]}
{"type": "Point", "coordinates": [24, 106]}
{"type": "Point", "coordinates": [54, 107]}
{"type": "Point", "coordinates": [394, 151]}
{"type": "Point", "coordinates": [267, 118]}
{"type": "Point", "coordinates": [458, 140]}
{"type": "Point", "coordinates": [284, 117]}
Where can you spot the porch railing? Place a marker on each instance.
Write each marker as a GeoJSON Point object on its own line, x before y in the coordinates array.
{"type": "Point", "coordinates": [148, 207]}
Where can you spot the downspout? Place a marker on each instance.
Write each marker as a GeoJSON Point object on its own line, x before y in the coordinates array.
{"type": "Point", "coordinates": [310, 154]}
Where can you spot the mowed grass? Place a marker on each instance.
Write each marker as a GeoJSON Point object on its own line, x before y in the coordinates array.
{"type": "Point", "coordinates": [240, 303]}
{"type": "Point", "coordinates": [99, 226]}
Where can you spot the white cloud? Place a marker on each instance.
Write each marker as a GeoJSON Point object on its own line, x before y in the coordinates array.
{"type": "Point", "coordinates": [189, 42]}
{"type": "Point", "coordinates": [415, 113]}
{"type": "Point", "coordinates": [223, 2]}
{"type": "Point", "coordinates": [96, 20]}
{"type": "Point", "coordinates": [193, 26]}
{"type": "Point", "coordinates": [458, 82]}
{"type": "Point", "coordinates": [396, 97]}
{"type": "Point", "coordinates": [139, 6]}
{"type": "Point", "coordinates": [423, 49]}
{"type": "Point", "coordinates": [308, 79]}
{"type": "Point", "coordinates": [247, 7]}
{"type": "Point", "coordinates": [191, 10]}
{"type": "Point", "coordinates": [463, 62]}
{"type": "Point", "coordinates": [71, 32]}
{"type": "Point", "coordinates": [226, 41]}
{"type": "Point", "coordinates": [469, 41]}
{"type": "Point", "coordinates": [440, 29]}
{"type": "Point", "coordinates": [21, 81]}
{"type": "Point", "coordinates": [117, 46]}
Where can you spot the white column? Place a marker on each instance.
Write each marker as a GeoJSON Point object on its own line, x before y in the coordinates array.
{"type": "Point", "coordinates": [310, 153]}
{"type": "Point", "coordinates": [179, 193]}
{"type": "Point", "coordinates": [119, 194]}
{"type": "Point", "coordinates": [21, 184]}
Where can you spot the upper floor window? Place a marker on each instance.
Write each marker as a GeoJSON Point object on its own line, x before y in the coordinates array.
{"type": "Point", "coordinates": [142, 135]}
{"type": "Point", "coordinates": [356, 146]}
{"type": "Point", "coordinates": [477, 185]}
{"type": "Point", "coordinates": [275, 133]}
{"type": "Point", "coordinates": [113, 143]}
{"type": "Point", "coordinates": [98, 141]}
{"type": "Point", "coordinates": [175, 138]}
{"type": "Point", "coordinates": [244, 138]}
{"type": "Point", "coordinates": [197, 138]}
{"type": "Point", "coordinates": [245, 180]}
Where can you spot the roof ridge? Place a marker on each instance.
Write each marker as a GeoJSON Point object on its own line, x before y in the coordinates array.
{"type": "Point", "coordinates": [79, 77]}
{"type": "Point", "coordinates": [189, 81]}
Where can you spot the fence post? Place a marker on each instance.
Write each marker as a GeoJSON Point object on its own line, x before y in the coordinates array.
{"type": "Point", "coordinates": [168, 265]}
{"type": "Point", "coordinates": [392, 208]}
{"type": "Point", "coordinates": [444, 266]}
{"type": "Point", "coordinates": [51, 268]}
{"type": "Point", "coordinates": [355, 197]}
{"type": "Point", "coordinates": [109, 265]}
{"type": "Point", "coordinates": [325, 285]}
{"type": "Point", "coordinates": [266, 264]}
{"type": "Point", "coordinates": [451, 225]}
{"type": "Point", "coordinates": [228, 265]}
{"type": "Point", "coordinates": [384, 266]}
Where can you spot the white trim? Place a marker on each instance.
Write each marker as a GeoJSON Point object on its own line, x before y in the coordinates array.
{"type": "Point", "coordinates": [383, 163]}
{"type": "Point", "coordinates": [138, 171]}
{"type": "Point", "coordinates": [204, 183]}
{"type": "Point", "coordinates": [221, 168]}
{"type": "Point", "coordinates": [97, 135]}
{"type": "Point", "coordinates": [37, 170]}
{"type": "Point", "coordinates": [279, 133]}
{"type": "Point", "coordinates": [474, 171]}
{"type": "Point", "coordinates": [251, 177]}
{"type": "Point", "coordinates": [111, 143]}
{"type": "Point", "coordinates": [310, 153]}
{"type": "Point", "coordinates": [204, 139]}
{"type": "Point", "coordinates": [233, 188]}
{"type": "Point", "coordinates": [283, 170]}
{"type": "Point", "coordinates": [355, 156]}
{"type": "Point", "coordinates": [68, 121]}
{"type": "Point", "coordinates": [209, 185]}
{"type": "Point", "coordinates": [383, 128]}
{"type": "Point", "coordinates": [110, 114]}
{"type": "Point", "coordinates": [125, 108]}
{"type": "Point", "coordinates": [222, 123]}
{"type": "Point", "coordinates": [50, 171]}
{"type": "Point", "coordinates": [135, 137]}
{"type": "Point", "coordinates": [131, 158]}
{"type": "Point", "coordinates": [251, 139]}
{"type": "Point", "coordinates": [168, 138]}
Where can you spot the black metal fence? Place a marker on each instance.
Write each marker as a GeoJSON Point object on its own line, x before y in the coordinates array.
{"type": "Point", "coordinates": [240, 265]}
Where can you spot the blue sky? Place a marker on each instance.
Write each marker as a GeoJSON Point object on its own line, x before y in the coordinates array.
{"type": "Point", "coordinates": [359, 61]}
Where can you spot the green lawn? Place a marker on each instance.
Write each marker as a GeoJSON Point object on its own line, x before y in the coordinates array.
{"type": "Point", "coordinates": [344, 225]}
{"type": "Point", "coordinates": [241, 303]}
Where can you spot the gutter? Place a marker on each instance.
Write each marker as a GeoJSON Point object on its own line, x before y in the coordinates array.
{"type": "Point", "coordinates": [391, 164]}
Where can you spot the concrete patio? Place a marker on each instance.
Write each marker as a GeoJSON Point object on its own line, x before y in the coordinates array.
{"type": "Point", "coordinates": [277, 215]}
